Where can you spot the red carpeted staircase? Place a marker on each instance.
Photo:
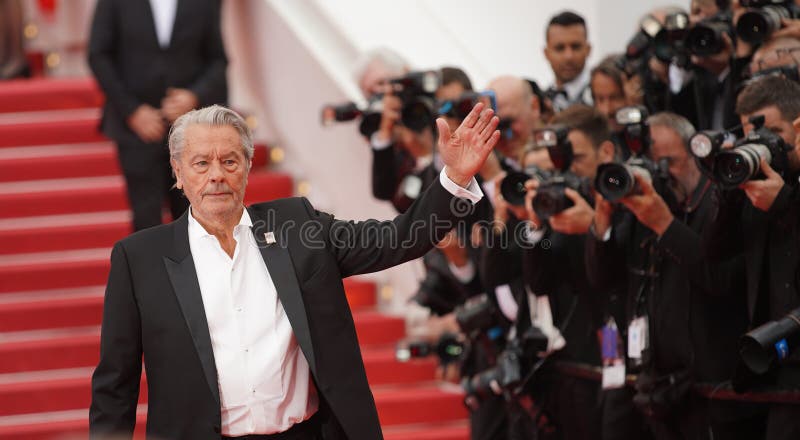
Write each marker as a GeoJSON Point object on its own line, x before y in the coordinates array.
{"type": "Point", "coordinates": [62, 206]}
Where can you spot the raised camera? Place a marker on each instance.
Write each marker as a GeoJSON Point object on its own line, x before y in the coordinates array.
{"type": "Point", "coordinates": [763, 18]}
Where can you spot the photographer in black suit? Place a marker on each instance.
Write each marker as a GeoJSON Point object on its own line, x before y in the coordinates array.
{"type": "Point", "coordinates": [674, 294]}
{"type": "Point", "coordinates": [759, 221]}
{"type": "Point", "coordinates": [154, 61]}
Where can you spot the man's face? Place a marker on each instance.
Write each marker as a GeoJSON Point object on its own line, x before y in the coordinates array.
{"type": "Point", "coordinates": [512, 107]}
{"type": "Point", "coordinates": [667, 144]}
{"type": "Point", "coordinates": [375, 79]}
{"type": "Point", "coordinates": [567, 50]}
{"type": "Point", "coordinates": [586, 157]}
{"type": "Point", "coordinates": [212, 171]}
{"type": "Point", "coordinates": [608, 98]}
{"type": "Point", "coordinates": [774, 122]}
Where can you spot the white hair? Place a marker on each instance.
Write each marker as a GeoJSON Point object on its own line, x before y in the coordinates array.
{"type": "Point", "coordinates": [214, 116]}
{"type": "Point", "coordinates": [393, 61]}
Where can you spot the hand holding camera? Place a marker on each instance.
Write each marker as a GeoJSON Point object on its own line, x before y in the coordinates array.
{"type": "Point", "coordinates": [648, 207]}
{"type": "Point", "coordinates": [576, 219]}
{"type": "Point", "coordinates": [762, 193]}
{"type": "Point", "coordinates": [392, 106]}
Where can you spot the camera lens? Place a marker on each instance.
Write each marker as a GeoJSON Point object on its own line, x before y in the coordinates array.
{"type": "Point", "coordinates": [513, 188]}
{"type": "Point", "coordinates": [755, 26]}
{"type": "Point", "coordinates": [732, 168]}
{"type": "Point", "coordinates": [370, 123]}
{"type": "Point", "coordinates": [704, 40]}
{"type": "Point", "coordinates": [417, 115]}
{"type": "Point", "coordinates": [550, 200]}
{"type": "Point", "coordinates": [614, 181]}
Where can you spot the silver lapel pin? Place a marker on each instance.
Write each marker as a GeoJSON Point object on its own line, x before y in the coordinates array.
{"type": "Point", "coordinates": [269, 237]}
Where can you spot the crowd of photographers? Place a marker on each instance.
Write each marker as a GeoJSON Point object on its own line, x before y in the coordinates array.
{"type": "Point", "coordinates": [640, 234]}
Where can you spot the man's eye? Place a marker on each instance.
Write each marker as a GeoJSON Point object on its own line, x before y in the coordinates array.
{"type": "Point", "coordinates": [201, 163]}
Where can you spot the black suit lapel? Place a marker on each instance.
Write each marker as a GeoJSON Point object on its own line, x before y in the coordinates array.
{"type": "Point", "coordinates": [280, 267]}
{"type": "Point", "coordinates": [183, 275]}
{"type": "Point", "coordinates": [180, 17]}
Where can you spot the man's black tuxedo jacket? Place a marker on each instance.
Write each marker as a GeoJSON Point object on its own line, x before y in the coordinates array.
{"type": "Point", "coordinates": [133, 69]}
{"type": "Point", "coordinates": [153, 308]}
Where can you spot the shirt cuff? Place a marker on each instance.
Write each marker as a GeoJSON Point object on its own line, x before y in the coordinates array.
{"type": "Point", "coordinates": [377, 143]}
{"type": "Point", "coordinates": [533, 236]}
{"type": "Point", "coordinates": [463, 274]}
{"type": "Point", "coordinates": [472, 192]}
{"type": "Point", "coordinates": [605, 237]}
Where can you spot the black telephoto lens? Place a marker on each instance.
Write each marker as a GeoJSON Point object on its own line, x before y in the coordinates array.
{"type": "Point", "coordinates": [513, 188]}
{"type": "Point", "coordinates": [705, 39]}
{"type": "Point", "coordinates": [737, 166]}
{"type": "Point", "coordinates": [756, 25]}
{"type": "Point", "coordinates": [614, 181]}
{"type": "Point", "coordinates": [770, 342]}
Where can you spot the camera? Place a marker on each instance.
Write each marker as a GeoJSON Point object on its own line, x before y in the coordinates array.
{"type": "Point", "coordinates": [617, 180]}
{"type": "Point", "coordinates": [764, 17]}
{"type": "Point", "coordinates": [640, 47]}
{"type": "Point", "coordinates": [706, 38]}
{"type": "Point", "coordinates": [448, 349]}
{"type": "Point", "coordinates": [479, 314]}
{"type": "Point", "coordinates": [438, 291]}
{"type": "Point", "coordinates": [460, 108]}
{"type": "Point", "coordinates": [729, 168]}
{"type": "Point", "coordinates": [669, 44]}
{"type": "Point", "coordinates": [514, 367]}
{"type": "Point", "coordinates": [513, 185]}
{"type": "Point", "coordinates": [770, 343]}
{"type": "Point", "coordinates": [416, 91]}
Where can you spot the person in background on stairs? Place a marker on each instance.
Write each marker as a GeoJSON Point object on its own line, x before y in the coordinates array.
{"type": "Point", "coordinates": [240, 313]}
{"type": "Point", "coordinates": [567, 48]}
{"type": "Point", "coordinates": [154, 60]}
{"type": "Point", "coordinates": [12, 40]}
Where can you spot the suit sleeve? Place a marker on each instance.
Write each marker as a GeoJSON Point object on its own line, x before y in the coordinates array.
{"type": "Point", "coordinates": [372, 245]}
{"type": "Point", "coordinates": [115, 382]}
{"type": "Point", "coordinates": [211, 87]}
{"type": "Point", "coordinates": [384, 173]}
{"type": "Point", "coordinates": [102, 50]}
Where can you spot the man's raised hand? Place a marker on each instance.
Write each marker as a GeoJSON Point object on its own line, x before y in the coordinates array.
{"type": "Point", "coordinates": [465, 150]}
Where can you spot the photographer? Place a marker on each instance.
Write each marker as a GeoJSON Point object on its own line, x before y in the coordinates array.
{"type": "Point", "coordinates": [556, 271]}
{"type": "Point", "coordinates": [400, 152]}
{"type": "Point", "coordinates": [611, 90]}
{"type": "Point", "coordinates": [759, 220]}
{"type": "Point", "coordinates": [674, 296]}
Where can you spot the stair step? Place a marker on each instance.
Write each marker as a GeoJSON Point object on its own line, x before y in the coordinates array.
{"type": "Point", "coordinates": [72, 160]}
{"type": "Point", "coordinates": [25, 95]}
{"type": "Point", "coordinates": [63, 232]}
{"type": "Point", "coordinates": [78, 130]}
{"type": "Point", "coordinates": [49, 425]}
{"type": "Point", "coordinates": [93, 194]}
{"type": "Point", "coordinates": [58, 308]}
{"type": "Point", "coordinates": [69, 389]}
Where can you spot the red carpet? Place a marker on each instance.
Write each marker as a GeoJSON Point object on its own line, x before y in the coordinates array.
{"type": "Point", "coordinates": [63, 206]}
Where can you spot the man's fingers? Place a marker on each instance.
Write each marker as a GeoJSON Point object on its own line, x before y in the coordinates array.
{"type": "Point", "coordinates": [573, 195]}
{"type": "Point", "coordinates": [487, 131]}
{"type": "Point", "coordinates": [644, 184]}
{"type": "Point", "coordinates": [767, 170]}
{"type": "Point", "coordinates": [472, 117]}
{"type": "Point", "coordinates": [483, 121]}
{"type": "Point", "coordinates": [488, 146]}
{"type": "Point", "coordinates": [444, 131]}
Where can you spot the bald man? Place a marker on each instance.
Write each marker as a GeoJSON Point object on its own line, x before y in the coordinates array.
{"type": "Point", "coordinates": [777, 52]}
{"type": "Point", "coordinates": [518, 109]}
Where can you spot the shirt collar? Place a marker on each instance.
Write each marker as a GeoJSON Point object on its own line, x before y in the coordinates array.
{"type": "Point", "coordinates": [196, 230]}
{"type": "Point", "coordinates": [575, 87]}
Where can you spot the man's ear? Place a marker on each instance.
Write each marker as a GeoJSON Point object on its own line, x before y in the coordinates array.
{"type": "Point", "coordinates": [176, 170]}
{"type": "Point", "coordinates": [607, 152]}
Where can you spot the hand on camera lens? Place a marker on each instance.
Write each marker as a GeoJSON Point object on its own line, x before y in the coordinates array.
{"type": "Point", "coordinates": [531, 186]}
{"type": "Point", "coordinates": [762, 193]}
{"type": "Point", "coordinates": [576, 219]}
{"type": "Point", "coordinates": [791, 29]}
{"type": "Point", "coordinates": [648, 207]}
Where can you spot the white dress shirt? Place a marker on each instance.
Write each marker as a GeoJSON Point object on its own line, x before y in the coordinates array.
{"type": "Point", "coordinates": [164, 17]}
{"type": "Point", "coordinates": [264, 379]}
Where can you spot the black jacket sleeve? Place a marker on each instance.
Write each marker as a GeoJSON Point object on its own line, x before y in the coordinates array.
{"type": "Point", "coordinates": [115, 382]}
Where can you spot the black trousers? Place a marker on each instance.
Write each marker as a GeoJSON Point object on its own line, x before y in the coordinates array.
{"type": "Point", "coordinates": [149, 181]}
{"type": "Point", "coordinates": [620, 419]}
{"type": "Point", "coordinates": [699, 419]}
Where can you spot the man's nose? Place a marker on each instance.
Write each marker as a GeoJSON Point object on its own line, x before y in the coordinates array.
{"type": "Point", "coordinates": [215, 172]}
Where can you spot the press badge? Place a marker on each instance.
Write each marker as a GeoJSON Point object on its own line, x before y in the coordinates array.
{"type": "Point", "coordinates": [637, 337]}
{"type": "Point", "coordinates": [611, 354]}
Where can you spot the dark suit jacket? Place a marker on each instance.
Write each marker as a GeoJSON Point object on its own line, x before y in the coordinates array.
{"type": "Point", "coordinates": [133, 69]}
{"type": "Point", "coordinates": [153, 308]}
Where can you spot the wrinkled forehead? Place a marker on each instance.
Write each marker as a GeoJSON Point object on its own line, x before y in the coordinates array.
{"type": "Point", "coordinates": [212, 139]}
